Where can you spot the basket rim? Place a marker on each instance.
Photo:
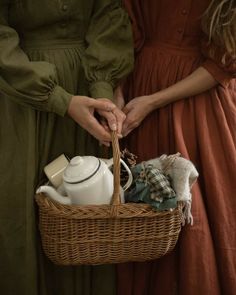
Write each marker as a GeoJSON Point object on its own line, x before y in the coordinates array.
{"type": "Point", "coordinates": [126, 210]}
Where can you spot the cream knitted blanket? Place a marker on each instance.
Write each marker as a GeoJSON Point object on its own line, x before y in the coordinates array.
{"type": "Point", "coordinates": [183, 175]}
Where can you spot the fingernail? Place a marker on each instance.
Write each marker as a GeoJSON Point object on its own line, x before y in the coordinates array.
{"type": "Point", "coordinates": [120, 135]}
{"type": "Point", "coordinates": [110, 107]}
{"type": "Point", "coordinates": [113, 127]}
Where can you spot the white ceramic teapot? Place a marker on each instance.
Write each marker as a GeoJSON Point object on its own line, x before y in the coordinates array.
{"type": "Point", "coordinates": [86, 180]}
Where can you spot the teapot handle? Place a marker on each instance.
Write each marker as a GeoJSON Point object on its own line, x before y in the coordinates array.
{"type": "Point", "coordinates": [130, 175]}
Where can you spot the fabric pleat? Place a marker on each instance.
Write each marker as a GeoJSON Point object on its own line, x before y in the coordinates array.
{"type": "Point", "coordinates": [202, 129]}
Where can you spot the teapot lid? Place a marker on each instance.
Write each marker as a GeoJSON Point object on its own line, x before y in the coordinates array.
{"type": "Point", "coordinates": [81, 168]}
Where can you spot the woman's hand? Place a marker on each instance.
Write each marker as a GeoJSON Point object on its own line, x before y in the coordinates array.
{"type": "Point", "coordinates": [82, 109]}
{"type": "Point", "coordinates": [138, 108]}
{"type": "Point", "coordinates": [136, 111]}
{"type": "Point", "coordinates": [112, 120]}
{"type": "Point", "coordinates": [119, 101]}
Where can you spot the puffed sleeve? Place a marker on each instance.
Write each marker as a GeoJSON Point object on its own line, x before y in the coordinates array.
{"type": "Point", "coordinates": [32, 84]}
{"type": "Point", "coordinates": [220, 64]}
{"type": "Point", "coordinates": [109, 55]}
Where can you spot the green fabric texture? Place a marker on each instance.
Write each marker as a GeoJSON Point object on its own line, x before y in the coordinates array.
{"type": "Point", "coordinates": [151, 186]}
{"type": "Point", "coordinates": [50, 51]}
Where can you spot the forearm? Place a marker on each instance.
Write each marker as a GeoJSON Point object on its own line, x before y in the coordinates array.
{"type": "Point", "coordinates": [199, 81]}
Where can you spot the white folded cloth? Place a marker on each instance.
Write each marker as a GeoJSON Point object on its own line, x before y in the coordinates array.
{"type": "Point", "coordinates": [183, 175]}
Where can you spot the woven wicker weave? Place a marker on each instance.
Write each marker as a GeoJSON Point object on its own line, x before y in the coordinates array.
{"type": "Point", "coordinates": [92, 234]}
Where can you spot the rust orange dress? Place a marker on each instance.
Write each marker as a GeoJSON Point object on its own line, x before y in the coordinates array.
{"type": "Point", "coordinates": [169, 45]}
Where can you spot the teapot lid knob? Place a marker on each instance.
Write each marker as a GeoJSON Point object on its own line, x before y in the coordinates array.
{"type": "Point", "coordinates": [81, 168]}
{"type": "Point", "coordinates": [76, 161]}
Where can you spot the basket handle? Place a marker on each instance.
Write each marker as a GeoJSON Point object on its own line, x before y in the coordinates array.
{"type": "Point", "coordinates": [116, 168]}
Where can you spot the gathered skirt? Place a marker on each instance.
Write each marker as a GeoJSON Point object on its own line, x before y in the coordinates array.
{"type": "Point", "coordinates": [202, 128]}
{"type": "Point", "coordinates": [29, 140]}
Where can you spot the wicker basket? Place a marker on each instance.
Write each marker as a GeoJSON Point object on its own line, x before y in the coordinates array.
{"type": "Point", "coordinates": [92, 234]}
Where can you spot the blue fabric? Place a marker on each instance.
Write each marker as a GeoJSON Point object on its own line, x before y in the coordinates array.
{"type": "Point", "coordinates": [151, 186]}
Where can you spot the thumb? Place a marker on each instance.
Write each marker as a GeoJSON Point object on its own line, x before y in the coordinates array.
{"type": "Point", "coordinates": [103, 105]}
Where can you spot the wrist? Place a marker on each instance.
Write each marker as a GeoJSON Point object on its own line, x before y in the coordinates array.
{"type": "Point", "coordinates": [158, 100]}
{"type": "Point", "coordinates": [59, 101]}
{"type": "Point", "coordinates": [101, 89]}
{"type": "Point", "coordinates": [71, 106]}
{"type": "Point", "coordinates": [75, 103]}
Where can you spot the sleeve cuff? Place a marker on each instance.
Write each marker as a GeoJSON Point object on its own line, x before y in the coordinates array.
{"type": "Point", "coordinates": [59, 101]}
{"type": "Point", "coordinates": [101, 89]}
{"type": "Point", "coordinates": [218, 74]}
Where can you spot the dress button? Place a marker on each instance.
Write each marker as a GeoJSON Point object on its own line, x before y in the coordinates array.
{"type": "Point", "coordinates": [65, 7]}
{"type": "Point", "coordinates": [184, 11]}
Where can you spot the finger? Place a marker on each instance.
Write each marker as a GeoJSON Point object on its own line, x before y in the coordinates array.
{"type": "Point", "coordinates": [106, 143]}
{"type": "Point", "coordinates": [102, 104]}
{"type": "Point", "coordinates": [129, 125]}
{"type": "Point", "coordinates": [111, 119]}
{"type": "Point", "coordinates": [125, 127]}
{"type": "Point", "coordinates": [97, 130]}
{"type": "Point", "coordinates": [120, 118]}
{"type": "Point", "coordinates": [104, 124]}
{"type": "Point", "coordinates": [127, 131]}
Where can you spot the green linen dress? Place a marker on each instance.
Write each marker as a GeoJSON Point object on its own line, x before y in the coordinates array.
{"type": "Point", "coordinates": [49, 51]}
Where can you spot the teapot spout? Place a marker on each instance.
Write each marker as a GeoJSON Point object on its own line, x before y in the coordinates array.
{"type": "Point", "coordinates": [53, 194]}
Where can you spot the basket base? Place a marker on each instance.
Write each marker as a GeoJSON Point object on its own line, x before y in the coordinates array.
{"type": "Point", "coordinates": [82, 235]}
{"type": "Point", "coordinates": [107, 256]}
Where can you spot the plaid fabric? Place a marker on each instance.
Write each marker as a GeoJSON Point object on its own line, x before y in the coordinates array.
{"type": "Point", "coordinates": [151, 186]}
{"type": "Point", "coordinates": [160, 187]}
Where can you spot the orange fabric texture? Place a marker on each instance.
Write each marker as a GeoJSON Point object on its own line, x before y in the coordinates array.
{"type": "Point", "coordinates": [169, 47]}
